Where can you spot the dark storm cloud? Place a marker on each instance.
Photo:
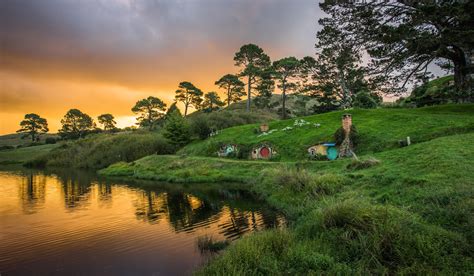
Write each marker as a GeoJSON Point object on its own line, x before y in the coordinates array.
{"type": "Point", "coordinates": [58, 54]}
{"type": "Point", "coordinates": [98, 37]}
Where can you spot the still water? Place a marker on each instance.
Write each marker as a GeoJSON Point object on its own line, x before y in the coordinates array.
{"type": "Point", "coordinates": [74, 223]}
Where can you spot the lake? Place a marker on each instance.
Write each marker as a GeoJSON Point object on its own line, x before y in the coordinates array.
{"type": "Point", "coordinates": [70, 222]}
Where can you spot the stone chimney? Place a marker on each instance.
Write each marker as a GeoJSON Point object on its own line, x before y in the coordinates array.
{"type": "Point", "coordinates": [345, 149]}
{"type": "Point", "coordinates": [347, 123]}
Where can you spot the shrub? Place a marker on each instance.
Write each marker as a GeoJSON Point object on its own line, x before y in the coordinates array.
{"type": "Point", "coordinates": [366, 100]}
{"type": "Point", "coordinates": [50, 140]}
{"type": "Point", "coordinates": [200, 127]}
{"type": "Point", "coordinates": [7, 147]}
{"type": "Point", "coordinates": [208, 244]}
{"type": "Point", "coordinates": [100, 151]}
{"type": "Point", "coordinates": [177, 130]}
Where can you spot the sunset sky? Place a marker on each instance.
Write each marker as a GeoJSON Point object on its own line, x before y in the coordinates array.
{"type": "Point", "coordinates": [101, 56]}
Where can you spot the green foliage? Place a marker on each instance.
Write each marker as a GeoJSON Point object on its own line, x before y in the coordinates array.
{"type": "Point", "coordinates": [101, 150]}
{"type": "Point", "coordinates": [285, 72]}
{"type": "Point", "coordinates": [208, 244]}
{"type": "Point", "coordinates": [76, 124]}
{"type": "Point", "coordinates": [211, 102]}
{"type": "Point", "coordinates": [33, 125]}
{"type": "Point", "coordinates": [50, 140]}
{"type": "Point", "coordinates": [339, 136]}
{"type": "Point", "coordinates": [402, 39]}
{"type": "Point", "coordinates": [200, 127]}
{"type": "Point", "coordinates": [150, 110]}
{"type": "Point", "coordinates": [189, 95]}
{"type": "Point", "coordinates": [107, 120]}
{"type": "Point", "coordinates": [435, 92]}
{"type": "Point", "coordinates": [265, 85]}
{"type": "Point", "coordinates": [253, 60]}
{"type": "Point", "coordinates": [177, 130]}
{"type": "Point", "coordinates": [364, 99]}
{"type": "Point", "coordinates": [233, 86]}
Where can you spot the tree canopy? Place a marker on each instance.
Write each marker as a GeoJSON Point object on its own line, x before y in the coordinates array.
{"type": "Point", "coordinates": [76, 124]}
{"type": "Point", "coordinates": [189, 95]}
{"type": "Point", "coordinates": [402, 38]}
{"type": "Point", "coordinates": [33, 125]}
{"type": "Point", "coordinates": [285, 72]}
{"type": "Point", "coordinates": [211, 102]}
{"type": "Point", "coordinates": [150, 110]}
{"type": "Point", "coordinates": [252, 60]}
{"type": "Point", "coordinates": [233, 86]}
{"type": "Point", "coordinates": [107, 120]}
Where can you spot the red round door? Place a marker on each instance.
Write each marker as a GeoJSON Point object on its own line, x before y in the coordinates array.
{"type": "Point", "coordinates": [265, 152]}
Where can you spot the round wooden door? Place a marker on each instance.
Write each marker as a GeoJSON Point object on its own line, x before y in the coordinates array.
{"type": "Point", "coordinates": [265, 152]}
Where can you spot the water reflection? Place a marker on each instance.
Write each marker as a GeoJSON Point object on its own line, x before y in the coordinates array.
{"type": "Point", "coordinates": [73, 213]}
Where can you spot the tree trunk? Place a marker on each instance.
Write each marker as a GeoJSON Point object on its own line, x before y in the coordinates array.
{"type": "Point", "coordinates": [283, 106]}
{"type": "Point", "coordinates": [249, 94]}
{"type": "Point", "coordinates": [228, 96]}
{"type": "Point", "coordinates": [462, 70]}
{"type": "Point", "coordinates": [185, 110]}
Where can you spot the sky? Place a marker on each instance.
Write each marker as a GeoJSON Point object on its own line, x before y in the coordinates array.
{"type": "Point", "coordinates": [101, 56]}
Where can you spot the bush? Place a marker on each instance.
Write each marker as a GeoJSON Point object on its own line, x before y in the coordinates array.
{"type": "Point", "coordinates": [7, 147]}
{"type": "Point", "coordinates": [50, 140]}
{"type": "Point", "coordinates": [177, 130]}
{"type": "Point", "coordinates": [200, 127]}
{"type": "Point", "coordinates": [100, 151]}
{"type": "Point", "coordinates": [366, 100]}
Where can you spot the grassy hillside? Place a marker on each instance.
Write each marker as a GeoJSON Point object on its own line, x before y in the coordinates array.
{"type": "Point", "coordinates": [16, 140]}
{"type": "Point", "coordinates": [22, 155]}
{"type": "Point", "coordinates": [410, 210]}
{"type": "Point", "coordinates": [379, 129]}
{"type": "Point", "coordinates": [395, 211]}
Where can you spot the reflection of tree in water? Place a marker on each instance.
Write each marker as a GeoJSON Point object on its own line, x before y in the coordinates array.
{"type": "Point", "coordinates": [150, 206]}
{"type": "Point", "coordinates": [104, 191]}
{"type": "Point", "coordinates": [76, 187]}
{"type": "Point", "coordinates": [32, 192]}
{"type": "Point", "coordinates": [182, 210]}
{"type": "Point", "coordinates": [186, 211]}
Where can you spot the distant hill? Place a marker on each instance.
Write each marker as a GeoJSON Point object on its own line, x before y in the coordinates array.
{"type": "Point", "coordinates": [16, 140]}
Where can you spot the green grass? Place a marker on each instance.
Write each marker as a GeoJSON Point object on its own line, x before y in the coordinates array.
{"type": "Point", "coordinates": [379, 129]}
{"type": "Point", "coordinates": [395, 211]}
{"type": "Point", "coordinates": [22, 155]}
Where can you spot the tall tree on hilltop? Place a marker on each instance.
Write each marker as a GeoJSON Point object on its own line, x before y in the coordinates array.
{"type": "Point", "coordinates": [265, 86]}
{"type": "Point", "coordinates": [189, 95]}
{"type": "Point", "coordinates": [285, 71]}
{"type": "Point", "coordinates": [252, 59]}
{"type": "Point", "coordinates": [150, 110]}
{"type": "Point", "coordinates": [107, 120]}
{"type": "Point", "coordinates": [233, 86]}
{"type": "Point", "coordinates": [403, 38]}
{"type": "Point", "coordinates": [211, 102]}
{"type": "Point", "coordinates": [33, 125]}
{"type": "Point", "coordinates": [76, 124]}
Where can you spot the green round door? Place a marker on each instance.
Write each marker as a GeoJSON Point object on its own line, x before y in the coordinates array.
{"type": "Point", "coordinates": [332, 153]}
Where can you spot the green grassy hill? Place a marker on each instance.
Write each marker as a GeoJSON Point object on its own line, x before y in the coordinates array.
{"type": "Point", "coordinates": [380, 129]}
{"type": "Point", "coordinates": [396, 211]}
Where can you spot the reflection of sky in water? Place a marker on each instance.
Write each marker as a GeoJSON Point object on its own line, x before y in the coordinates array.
{"type": "Point", "coordinates": [74, 223]}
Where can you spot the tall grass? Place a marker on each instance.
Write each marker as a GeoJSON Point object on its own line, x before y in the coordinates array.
{"type": "Point", "coordinates": [102, 150]}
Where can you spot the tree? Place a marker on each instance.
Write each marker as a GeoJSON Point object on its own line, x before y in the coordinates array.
{"type": "Point", "coordinates": [150, 110]}
{"type": "Point", "coordinates": [285, 71]}
{"type": "Point", "coordinates": [233, 86]}
{"type": "Point", "coordinates": [265, 86]}
{"type": "Point", "coordinates": [189, 95]}
{"type": "Point", "coordinates": [177, 129]}
{"type": "Point", "coordinates": [211, 102]}
{"type": "Point", "coordinates": [252, 59]}
{"type": "Point", "coordinates": [107, 120]}
{"type": "Point", "coordinates": [33, 125]}
{"type": "Point", "coordinates": [76, 124]}
{"type": "Point", "coordinates": [403, 38]}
